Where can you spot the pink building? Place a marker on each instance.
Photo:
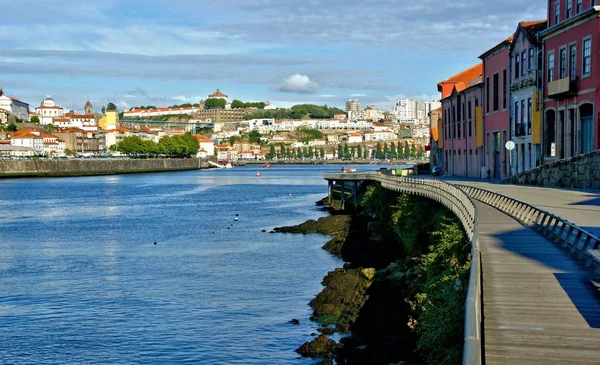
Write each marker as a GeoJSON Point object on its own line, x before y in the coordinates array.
{"type": "Point", "coordinates": [496, 63]}
{"type": "Point", "coordinates": [571, 89]}
{"type": "Point", "coordinates": [461, 99]}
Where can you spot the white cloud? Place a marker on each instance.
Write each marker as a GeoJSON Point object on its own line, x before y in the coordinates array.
{"type": "Point", "coordinates": [357, 95]}
{"type": "Point", "coordinates": [327, 96]}
{"type": "Point", "coordinates": [297, 83]}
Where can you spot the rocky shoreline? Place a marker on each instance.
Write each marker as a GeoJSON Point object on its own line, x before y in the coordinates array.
{"type": "Point", "coordinates": [399, 298]}
{"type": "Point", "coordinates": [353, 303]}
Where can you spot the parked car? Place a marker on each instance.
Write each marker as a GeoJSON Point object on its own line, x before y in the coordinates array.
{"type": "Point", "coordinates": [437, 171]}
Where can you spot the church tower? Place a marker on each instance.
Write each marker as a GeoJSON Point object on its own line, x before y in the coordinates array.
{"type": "Point", "coordinates": [89, 110]}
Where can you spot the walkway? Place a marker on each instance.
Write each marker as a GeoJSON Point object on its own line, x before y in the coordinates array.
{"type": "Point", "coordinates": [581, 207]}
{"type": "Point", "coordinates": [539, 305]}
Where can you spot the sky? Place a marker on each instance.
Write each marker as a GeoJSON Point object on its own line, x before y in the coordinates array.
{"type": "Point", "coordinates": [286, 52]}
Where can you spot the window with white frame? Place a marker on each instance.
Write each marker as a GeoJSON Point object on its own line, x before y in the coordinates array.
{"type": "Point", "coordinates": [550, 66]}
{"type": "Point", "coordinates": [568, 5]}
{"type": "Point", "coordinates": [556, 12]}
{"type": "Point", "coordinates": [579, 5]}
{"type": "Point", "coordinates": [573, 60]}
{"type": "Point", "coordinates": [587, 56]}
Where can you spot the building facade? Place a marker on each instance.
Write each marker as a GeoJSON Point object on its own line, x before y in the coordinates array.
{"type": "Point", "coordinates": [496, 64]}
{"type": "Point", "coordinates": [461, 127]}
{"type": "Point", "coordinates": [353, 105]}
{"type": "Point", "coordinates": [526, 73]}
{"type": "Point", "coordinates": [571, 89]}
{"type": "Point", "coordinates": [48, 110]}
{"type": "Point", "coordinates": [14, 106]}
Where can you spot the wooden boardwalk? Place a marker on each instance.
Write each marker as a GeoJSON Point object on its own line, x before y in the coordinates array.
{"type": "Point", "coordinates": [539, 304]}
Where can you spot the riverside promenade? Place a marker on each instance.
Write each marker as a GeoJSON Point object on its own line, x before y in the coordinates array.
{"type": "Point", "coordinates": [539, 304]}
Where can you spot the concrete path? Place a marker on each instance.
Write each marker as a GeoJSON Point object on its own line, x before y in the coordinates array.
{"type": "Point", "coordinates": [581, 207]}
{"type": "Point", "coordinates": [539, 304]}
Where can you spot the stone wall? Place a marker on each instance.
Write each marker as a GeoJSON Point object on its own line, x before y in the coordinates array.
{"type": "Point", "coordinates": [578, 172]}
{"type": "Point", "coordinates": [88, 167]}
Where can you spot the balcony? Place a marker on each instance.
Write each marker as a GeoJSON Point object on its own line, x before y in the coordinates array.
{"type": "Point", "coordinates": [564, 87]}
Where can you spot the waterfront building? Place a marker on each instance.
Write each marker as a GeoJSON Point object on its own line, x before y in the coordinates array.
{"type": "Point", "coordinates": [352, 105]}
{"type": "Point", "coordinates": [206, 146]}
{"type": "Point", "coordinates": [82, 141]}
{"type": "Point", "coordinates": [496, 65]}
{"type": "Point", "coordinates": [83, 121]}
{"type": "Point", "coordinates": [525, 74]}
{"type": "Point", "coordinates": [462, 123]}
{"type": "Point", "coordinates": [571, 86]}
{"type": "Point", "coordinates": [48, 110]}
{"type": "Point", "coordinates": [14, 106]}
{"type": "Point", "coordinates": [435, 146]}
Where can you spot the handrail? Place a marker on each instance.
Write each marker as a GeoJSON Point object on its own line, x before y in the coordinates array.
{"type": "Point", "coordinates": [461, 204]}
{"type": "Point", "coordinates": [567, 234]}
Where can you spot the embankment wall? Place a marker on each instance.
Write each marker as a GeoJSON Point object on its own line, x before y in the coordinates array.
{"type": "Point", "coordinates": [578, 172]}
{"type": "Point", "coordinates": [89, 167]}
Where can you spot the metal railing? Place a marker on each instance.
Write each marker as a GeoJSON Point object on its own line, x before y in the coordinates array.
{"type": "Point", "coordinates": [459, 202]}
{"type": "Point", "coordinates": [575, 239]}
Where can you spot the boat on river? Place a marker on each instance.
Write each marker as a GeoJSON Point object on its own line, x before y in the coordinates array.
{"type": "Point", "coordinates": [267, 165]}
{"type": "Point", "coordinates": [221, 164]}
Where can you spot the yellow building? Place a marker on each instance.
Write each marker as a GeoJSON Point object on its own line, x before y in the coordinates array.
{"type": "Point", "coordinates": [109, 120]}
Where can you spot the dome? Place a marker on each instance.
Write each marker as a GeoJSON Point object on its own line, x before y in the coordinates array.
{"type": "Point", "coordinates": [48, 101]}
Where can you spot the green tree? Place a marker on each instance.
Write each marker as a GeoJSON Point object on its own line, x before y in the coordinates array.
{"type": "Point", "coordinates": [310, 152]}
{"type": "Point", "coordinates": [11, 127]}
{"type": "Point", "coordinates": [366, 153]}
{"type": "Point", "coordinates": [237, 104]}
{"type": "Point", "coordinates": [378, 153]}
{"type": "Point", "coordinates": [35, 119]}
{"type": "Point", "coordinates": [386, 151]}
{"type": "Point", "coordinates": [111, 106]}
{"type": "Point", "coordinates": [232, 140]}
{"type": "Point", "coordinates": [214, 103]}
{"type": "Point", "coordinates": [352, 152]}
{"type": "Point", "coordinates": [413, 150]}
{"type": "Point", "coordinates": [346, 151]}
{"type": "Point", "coordinates": [254, 136]}
{"type": "Point", "coordinates": [282, 149]}
{"type": "Point", "coordinates": [271, 154]}
{"type": "Point", "coordinates": [359, 152]}
{"type": "Point", "coordinates": [406, 150]}
{"type": "Point", "coordinates": [322, 151]}
{"type": "Point", "coordinates": [340, 152]}
{"type": "Point", "coordinates": [393, 150]}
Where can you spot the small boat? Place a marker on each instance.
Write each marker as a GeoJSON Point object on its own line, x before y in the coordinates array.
{"type": "Point", "coordinates": [267, 165]}
{"type": "Point", "coordinates": [258, 173]}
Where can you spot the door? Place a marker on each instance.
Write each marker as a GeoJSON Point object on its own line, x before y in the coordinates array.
{"type": "Point", "coordinates": [587, 134]}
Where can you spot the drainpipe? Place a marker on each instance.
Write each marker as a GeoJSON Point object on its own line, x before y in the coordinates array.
{"type": "Point", "coordinates": [510, 111]}
{"type": "Point", "coordinates": [540, 87]}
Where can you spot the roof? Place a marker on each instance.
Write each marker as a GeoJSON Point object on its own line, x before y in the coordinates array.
{"type": "Point", "coordinates": [461, 80]}
{"type": "Point", "coordinates": [506, 42]}
{"type": "Point", "coordinates": [531, 29]}
{"type": "Point", "coordinates": [218, 93]}
{"type": "Point", "coordinates": [203, 139]}
{"type": "Point", "coordinates": [79, 116]}
{"type": "Point", "coordinates": [49, 107]}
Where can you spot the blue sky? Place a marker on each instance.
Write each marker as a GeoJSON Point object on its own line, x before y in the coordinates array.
{"type": "Point", "coordinates": [161, 53]}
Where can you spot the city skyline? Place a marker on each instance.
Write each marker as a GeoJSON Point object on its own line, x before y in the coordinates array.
{"type": "Point", "coordinates": [140, 53]}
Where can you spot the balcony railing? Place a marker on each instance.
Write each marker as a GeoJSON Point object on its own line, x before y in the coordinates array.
{"type": "Point", "coordinates": [563, 87]}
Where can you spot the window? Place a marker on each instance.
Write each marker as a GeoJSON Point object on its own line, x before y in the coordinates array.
{"type": "Point", "coordinates": [516, 66]}
{"type": "Point", "coordinates": [578, 10]}
{"type": "Point", "coordinates": [587, 56]}
{"type": "Point", "coordinates": [504, 88]}
{"type": "Point", "coordinates": [562, 63]}
{"type": "Point", "coordinates": [530, 60]}
{"type": "Point", "coordinates": [523, 59]}
{"type": "Point", "coordinates": [569, 5]}
{"type": "Point", "coordinates": [529, 116]}
{"type": "Point", "coordinates": [470, 117]}
{"type": "Point", "coordinates": [516, 116]}
{"type": "Point", "coordinates": [487, 94]}
{"type": "Point", "coordinates": [522, 113]}
{"type": "Point", "coordinates": [550, 67]}
{"type": "Point", "coordinates": [458, 98]}
{"type": "Point", "coordinates": [556, 12]}
{"type": "Point", "coordinates": [573, 60]}
{"type": "Point", "coordinates": [496, 94]}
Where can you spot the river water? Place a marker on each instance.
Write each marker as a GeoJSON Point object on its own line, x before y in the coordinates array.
{"type": "Point", "coordinates": [81, 280]}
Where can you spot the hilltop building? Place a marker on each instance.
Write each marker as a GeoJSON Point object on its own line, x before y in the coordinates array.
{"type": "Point", "coordinates": [14, 106]}
{"type": "Point", "coordinates": [48, 110]}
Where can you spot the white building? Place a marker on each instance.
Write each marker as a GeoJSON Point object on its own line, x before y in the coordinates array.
{"type": "Point", "coordinates": [405, 111]}
{"type": "Point", "coordinates": [352, 105]}
{"type": "Point", "coordinates": [156, 112]}
{"type": "Point", "coordinates": [87, 122]}
{"type": "Point", "coordinates": [383, 135]}
{"type": "Point", "coordinates": [355, 137]}
{"type": "Point", "coordinates": [14, 106]}
{"type": "Point", "coordinates": [48, 110]}
{"type": "Point", "coordinates": [206, 146]}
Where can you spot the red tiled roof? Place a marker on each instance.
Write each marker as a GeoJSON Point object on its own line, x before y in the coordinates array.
{"type": "Point", "coordinates": [49, 107]}
{"type": "Point", "coordinates": [461, 80]}
{"type": "Point", "coordinates": [507, 41]}
{"type": "Point", "coordinates": [218, 93]}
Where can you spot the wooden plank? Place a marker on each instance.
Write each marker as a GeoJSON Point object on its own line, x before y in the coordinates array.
{"type": "Point", "coordinates": [539, 307]}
